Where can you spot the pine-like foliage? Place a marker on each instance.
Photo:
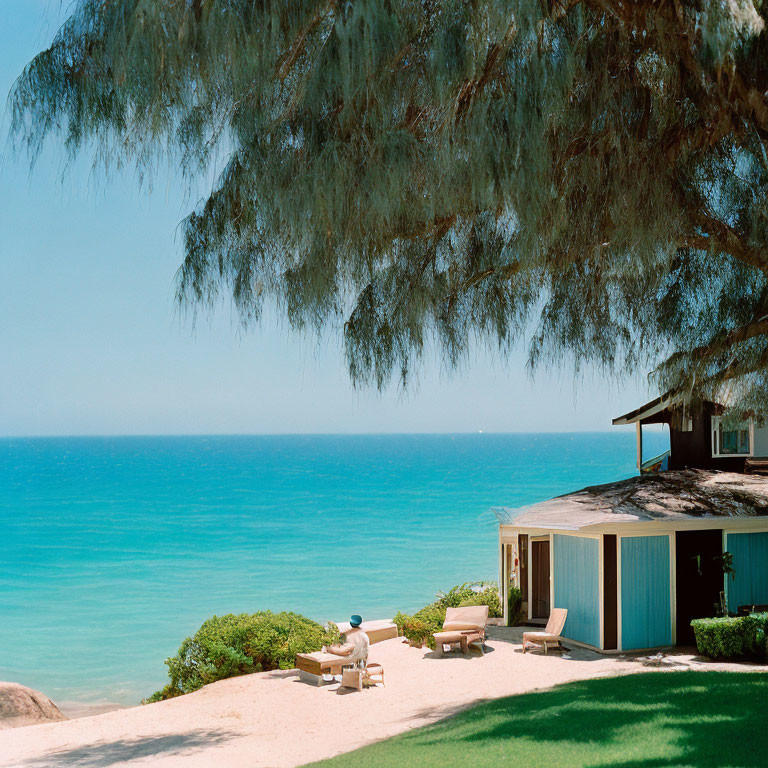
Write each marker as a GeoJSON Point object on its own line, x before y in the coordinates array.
{"type": "Point", "coordinates": [450, 170]}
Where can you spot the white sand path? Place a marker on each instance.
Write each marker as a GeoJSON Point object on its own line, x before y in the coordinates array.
{"type": "Point", "coordinates": [273, 720]}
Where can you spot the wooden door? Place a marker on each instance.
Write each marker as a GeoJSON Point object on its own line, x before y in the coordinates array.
{"type": "Point", "coordinates": [540, 580]}
{"type": "Point", "coordinates": [699, 578]}
{"type": "Point", "coordinates": [610, 593]}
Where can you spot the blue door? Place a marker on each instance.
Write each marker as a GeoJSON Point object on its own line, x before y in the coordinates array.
{"type": "Point", "coordinates": [748, 584]}
{"type": "Point", "coordinates": [646, 614]}
{"type": "Point", "coordinates": [576, 569]}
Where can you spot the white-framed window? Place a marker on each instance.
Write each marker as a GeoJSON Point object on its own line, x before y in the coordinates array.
{"type": "Point", "coordinates": [732, 439]}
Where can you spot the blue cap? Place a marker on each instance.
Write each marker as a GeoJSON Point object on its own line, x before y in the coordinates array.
{"type": "Point", "coordinates": [355, 620]}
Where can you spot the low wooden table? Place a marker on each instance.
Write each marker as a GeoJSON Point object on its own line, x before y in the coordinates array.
{"type": "Point", "coordinates": [312, 666]}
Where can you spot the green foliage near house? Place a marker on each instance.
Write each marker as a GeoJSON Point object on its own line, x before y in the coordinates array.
{"type": "Point", "coordinates": [733, 637]}
{"type": "Point", "coordinates": [514, 606]}
{"type": "Point", "coordinates": [586, 177]}
{"type": "Point", "coordinates": [649, 720]}
{"type": "Point", "coordinates": [425, 622]}
{"type": "Point", "coordinates": [414, 629]}
{"type": "Point", "coordinates": [231, 645]}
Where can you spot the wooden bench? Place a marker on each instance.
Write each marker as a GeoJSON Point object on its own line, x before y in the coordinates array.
{"type": "Point", "coordinates": [384, 629]}
{"type": "Point", "coordinates": [756, 466]}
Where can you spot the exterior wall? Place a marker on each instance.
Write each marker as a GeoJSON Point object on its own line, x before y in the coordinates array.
{"type": "Point", "coordinates": [576, 576]}
{"type": "Point", "coordinates": [647, 575]}
{"type": "Point", "coordinates": [646, 592]}
{"type": "Point", "coordinates": [694, 448]}
{"type": "Point", "coordinates": [748, 585]}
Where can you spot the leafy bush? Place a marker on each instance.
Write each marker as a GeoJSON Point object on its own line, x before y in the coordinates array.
{"type": "Point", "coordinates": [741, 637]}
{"type": "Point", "coordinates": [425, 622]}
{"type": "Point", "coordinates": [490, 597]}
{"type": "Point", "coordinates": [231, 645]}
{"type": "Point", "coordinates": [400, 619]}
{"type": "Point", "coordinates": [514, 606]}
{"type": "Point", "coordinates": [416, 630]}
{"type": "Point", "coordinates": [471, 593]}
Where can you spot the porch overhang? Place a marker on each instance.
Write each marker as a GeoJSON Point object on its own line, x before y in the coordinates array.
{"type": "Point", "coordinates": [645, 413]}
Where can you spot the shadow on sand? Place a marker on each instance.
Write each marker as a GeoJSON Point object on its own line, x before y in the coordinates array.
{"type": "Point", "coordinates": [104, 754]}
{"type": "Point", "coordinates": [453, 655]}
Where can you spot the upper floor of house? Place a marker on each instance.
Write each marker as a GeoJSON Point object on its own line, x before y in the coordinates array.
{"type": "Point", "coordinates": [701, 437]}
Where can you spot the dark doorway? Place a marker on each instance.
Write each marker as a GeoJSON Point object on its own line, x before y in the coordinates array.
{"type": "Point", "coordinates": [610, 596]}
{"type": "Point", "coordinates": [699, 578]}
{"type": "Point", "coordinates": [540, 579]}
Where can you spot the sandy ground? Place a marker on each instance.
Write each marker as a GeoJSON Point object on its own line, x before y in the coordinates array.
{"type": "Point", "coordinates": [272, 719]}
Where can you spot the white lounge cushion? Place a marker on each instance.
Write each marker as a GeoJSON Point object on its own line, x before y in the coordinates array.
{"type": "Point", "coordinates": [458, 626]}
{"type": "Point", "coordinates": [539, 634]}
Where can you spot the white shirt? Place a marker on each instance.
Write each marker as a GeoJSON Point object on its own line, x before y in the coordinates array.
{"type": "Point", "coordinates": [360, 644]}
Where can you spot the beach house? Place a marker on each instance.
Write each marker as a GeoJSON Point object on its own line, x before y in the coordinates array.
{"type": "Point", "coordinates": [634, 561]}
{"type": "Point", "coordinates": [700, 436]}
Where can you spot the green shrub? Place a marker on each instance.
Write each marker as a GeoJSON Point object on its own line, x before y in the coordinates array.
{"type": "Point", "coordinates": [416, 630]}
{"type": "Point", "coordinates": [472, 593]}
{"type": "Point", "coordinates": [489, 596]}
{"type": "Point", "coordinates": [514, 606]}
{"type": "Point", "coordinates": [231, 645]}
{"type": "Point", "coordinates": [421, 625]}
{"type": "Point", "coordinates": [741, 637]}
{"type": "Point", "coordinates": [400, 619]}
{"type": "Point", "coordinates": [425, 622]}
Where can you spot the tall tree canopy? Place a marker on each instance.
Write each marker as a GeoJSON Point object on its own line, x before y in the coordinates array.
{"type": "Point", "coordinates": [448, 170]}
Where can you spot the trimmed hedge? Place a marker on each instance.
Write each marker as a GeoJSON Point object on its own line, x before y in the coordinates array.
{"type": "Point", "coordinates": [425, 622]}
{"type": "Point", "coordinates": [739, 637]}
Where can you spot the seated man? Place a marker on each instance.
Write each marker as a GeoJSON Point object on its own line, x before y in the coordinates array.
{"type": "Point", "coordinates": [356, 646]}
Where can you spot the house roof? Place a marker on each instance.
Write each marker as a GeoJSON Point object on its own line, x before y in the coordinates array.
{"type": "Point", "coordinates": [646, 411]}
{"type": "Point", "coordinates": [688, 494]}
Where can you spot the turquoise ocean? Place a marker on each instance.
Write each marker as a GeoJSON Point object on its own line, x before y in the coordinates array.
{"type": "Point", "coordinates": [115, 549]}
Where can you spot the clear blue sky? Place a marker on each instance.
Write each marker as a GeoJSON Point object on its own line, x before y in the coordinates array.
{"type": "Point", "coordinates": [90, 340]}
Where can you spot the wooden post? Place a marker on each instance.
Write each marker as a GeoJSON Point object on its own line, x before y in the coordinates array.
{"type": "Point", "coordinates": [503, 577]}
{"type": "Point", "coordinates": [639, 446]}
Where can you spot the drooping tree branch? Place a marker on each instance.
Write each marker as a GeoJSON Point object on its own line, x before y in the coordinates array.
{"type": "Point", "coordinates": [590, 175]}
{"type": "Point", "coordinates": [719, 237]}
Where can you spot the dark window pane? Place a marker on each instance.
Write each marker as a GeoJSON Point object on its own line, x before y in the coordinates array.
{"type": "Point", "coordinates": [734, 441]}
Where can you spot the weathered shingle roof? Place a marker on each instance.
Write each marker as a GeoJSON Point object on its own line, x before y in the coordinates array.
{"type": "Point", "coordinates": [667, 496]}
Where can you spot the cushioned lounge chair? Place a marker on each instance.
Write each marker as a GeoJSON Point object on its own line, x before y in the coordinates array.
{"type": "Point", "coordinates": [463, 626]}
{"type": "Point", "coordinates": [550, 637]}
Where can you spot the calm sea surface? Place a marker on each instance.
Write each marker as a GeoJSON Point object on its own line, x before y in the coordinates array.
{"type": "Point", "coordinates": [115, 549]}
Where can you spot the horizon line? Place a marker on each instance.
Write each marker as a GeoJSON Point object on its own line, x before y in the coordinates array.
{"type": "Point", "coordinates": [105, 435]}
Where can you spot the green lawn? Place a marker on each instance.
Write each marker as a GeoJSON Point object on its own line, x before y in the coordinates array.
{"type": "Point", "coordinates": [647, 720]}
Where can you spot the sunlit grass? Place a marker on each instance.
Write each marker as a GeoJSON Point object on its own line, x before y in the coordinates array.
{"type": "Point", "coordinates": [648, 720]}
